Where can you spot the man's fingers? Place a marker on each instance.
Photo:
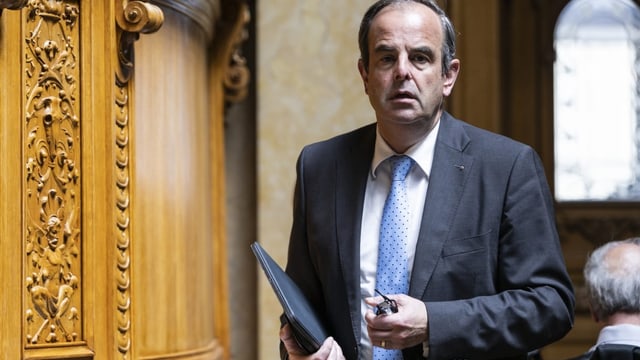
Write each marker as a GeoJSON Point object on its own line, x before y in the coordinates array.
{"type": "Point", "coordinates": [335, 350]}
{"type": "Point", "coordinates": [329, 350]}
{"type": "Point", "coordinates": [290, 343]}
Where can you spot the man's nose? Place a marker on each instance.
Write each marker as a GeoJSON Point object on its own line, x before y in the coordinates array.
{"type": "Point", "coordinates": [403, 69]}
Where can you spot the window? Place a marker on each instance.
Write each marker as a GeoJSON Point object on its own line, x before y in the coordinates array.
{"type": "Point", "coordinates": [597, 101]}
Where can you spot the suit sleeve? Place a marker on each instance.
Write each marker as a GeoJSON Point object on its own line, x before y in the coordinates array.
{"type": "Point", "coordinates": [300, 264]}
{"type": "Point", "coordinates": [532, 304]}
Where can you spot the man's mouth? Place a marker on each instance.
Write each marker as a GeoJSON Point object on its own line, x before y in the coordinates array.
{"type": "Point", "coordinates": [403, 95]}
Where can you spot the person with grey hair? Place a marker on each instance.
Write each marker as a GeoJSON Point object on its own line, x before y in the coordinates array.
{"type": "Point", "coordinates": [612, 279]}
{"type": "Point", "coordinates": [455, 225]}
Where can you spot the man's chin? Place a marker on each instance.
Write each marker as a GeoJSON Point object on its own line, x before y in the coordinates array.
{"type": "Point", "coordinates": [406, 117]}
{"type": "Point", "coordinates": [413, 119]}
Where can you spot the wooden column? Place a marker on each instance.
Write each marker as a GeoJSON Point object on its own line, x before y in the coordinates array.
{"type": "Point", "coordinates": [173, 189]}
{"type": "Point", "coordinates": [476, 95]}
{"type": "Point", "coordinates": [111, 191]}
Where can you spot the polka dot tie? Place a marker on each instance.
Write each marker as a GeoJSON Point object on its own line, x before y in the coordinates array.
{"type": "Point", "coordinates": [392, 275]}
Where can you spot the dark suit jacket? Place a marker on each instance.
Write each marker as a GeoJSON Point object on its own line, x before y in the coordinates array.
{"type": "Point", "coordinates": [488, 262]}
{"type": "Point", "coordinates": [611, 352]}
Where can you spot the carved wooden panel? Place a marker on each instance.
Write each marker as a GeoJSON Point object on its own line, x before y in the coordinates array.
{"type": "Point", "coordinates": [53, 241]}
{"type": "Point", "coordinates": [78, 171]}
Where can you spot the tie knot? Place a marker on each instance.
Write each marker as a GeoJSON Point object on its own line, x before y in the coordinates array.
{"type": "Point", "coordinates": [400, 166]}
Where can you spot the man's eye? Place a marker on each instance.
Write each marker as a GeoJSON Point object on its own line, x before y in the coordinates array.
{"type": "Point", "coordinates": [387, 59]}
{"type": "Point", "coordinates": [421, 59]}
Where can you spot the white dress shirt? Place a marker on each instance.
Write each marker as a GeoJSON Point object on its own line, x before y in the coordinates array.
{"type": "Point", "coordinates": [378, 185]}
{"type": "Point", "coordinates": [625, 334]}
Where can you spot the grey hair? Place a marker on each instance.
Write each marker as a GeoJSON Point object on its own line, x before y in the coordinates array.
{"type": "Point", "coordinates": [613, 287]}
{"type": "Point", "coordinates": [448, 45]}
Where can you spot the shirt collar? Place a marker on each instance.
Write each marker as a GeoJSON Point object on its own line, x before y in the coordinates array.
{"type": "Point", "coordinates": [619, 334]}
{"type": "Point", "coordinates": [421, 152]}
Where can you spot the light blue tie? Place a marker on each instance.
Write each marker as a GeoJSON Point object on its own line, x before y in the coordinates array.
{"type": "Point", "coordinates": [392, 276]}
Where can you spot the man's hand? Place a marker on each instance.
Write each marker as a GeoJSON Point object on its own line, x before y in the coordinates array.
{"type": "Point", "coordinates": [408, 327]}
{"type": "Point", "coordinates": [330, 350]}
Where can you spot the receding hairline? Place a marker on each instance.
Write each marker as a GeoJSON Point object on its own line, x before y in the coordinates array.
{"type": "Point", "coordinates": [429, 12]}
{"type": "Point", "coordinates": [626, 251]}
{"type": "Point", "coordinates": [409, 4]}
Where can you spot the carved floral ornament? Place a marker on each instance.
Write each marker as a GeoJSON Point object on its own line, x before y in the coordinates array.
{"type": "Point", "coordinates": [52, 173]}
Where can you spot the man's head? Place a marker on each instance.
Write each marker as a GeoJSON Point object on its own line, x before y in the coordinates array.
{"type": "Point", "coordinates": [612, 276]}
{"type": "Point", "coordinates": [448, 46]}
{"type": "Point", "coordinates": [407, 67]}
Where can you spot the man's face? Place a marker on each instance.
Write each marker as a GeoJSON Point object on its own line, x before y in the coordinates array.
{"type": "Point", "coordinates": [404, 81]}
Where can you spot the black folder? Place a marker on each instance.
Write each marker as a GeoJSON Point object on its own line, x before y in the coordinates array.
{"type": "Point", "coordinates": [308, 329]}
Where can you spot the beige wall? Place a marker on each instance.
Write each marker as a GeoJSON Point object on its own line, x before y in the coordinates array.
{"type": "Point", "coordinates": [309, 89]}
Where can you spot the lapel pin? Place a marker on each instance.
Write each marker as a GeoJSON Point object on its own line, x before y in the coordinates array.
{"type": "Point", "coordinates": [460, 167]}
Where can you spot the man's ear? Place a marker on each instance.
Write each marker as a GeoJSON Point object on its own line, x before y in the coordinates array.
{"type": "Point", "coordinates": [450, 77]}
{"type": "Point", "coordinates": [364, 75]}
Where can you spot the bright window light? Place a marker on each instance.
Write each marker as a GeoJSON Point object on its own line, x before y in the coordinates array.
{"type": "Point", "coordinates": [597, 107]}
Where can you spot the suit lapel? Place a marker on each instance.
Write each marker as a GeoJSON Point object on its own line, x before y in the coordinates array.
{"type": "Point", "coordinates": [449, 173]}
{"type": "Point", "coordinates": [352, 169]}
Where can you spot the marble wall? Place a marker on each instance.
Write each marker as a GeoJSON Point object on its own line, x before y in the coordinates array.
{"type": "Point", "coordinates": [308, 89]}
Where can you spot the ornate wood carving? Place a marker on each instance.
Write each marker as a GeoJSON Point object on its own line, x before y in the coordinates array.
{"type": "Point", "coordinates": [236, 80]}
{"type": "Point", "coordinates": [123, 278]}
{"type": "Point", "coordinates": [229, 65]}
{"type": "Point", "coordinates": [139, 17]}
{"type": "Point", "coordinates": [133, 17]}
{"type": "Point", "coordinates": [52, 182]}
{"type": "Point", "coordinates": [600, 230]}
{"type": "Point", "coordinates": [599, 222]}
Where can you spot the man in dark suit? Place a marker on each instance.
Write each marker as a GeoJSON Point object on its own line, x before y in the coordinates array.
{"type": "Point", "coordinates": [612, 279]}
{"type": "Point", "coordinates": [487, 276]}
